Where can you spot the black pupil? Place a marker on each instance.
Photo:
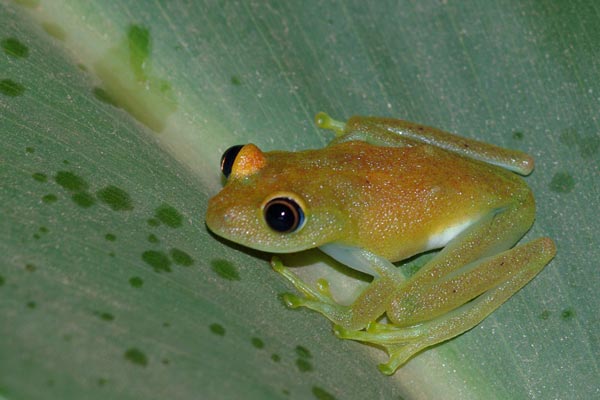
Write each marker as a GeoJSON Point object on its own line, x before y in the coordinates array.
{"type": "Point", "coordinates": [283, 215]}
{"type": "Point", "coordinates": [228, 159]}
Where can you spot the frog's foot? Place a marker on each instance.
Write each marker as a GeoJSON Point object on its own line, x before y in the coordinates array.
{"type": "Point", "coordinates": [399, 343]}
{"type": "Point", "coordinates": [320, 294]}
{"type": "Point", "coordinates": [318, 299]}
{"type": "Point", "coordinates": [323, 288]}
{"type": "Point", "coordinates": [326, 122]}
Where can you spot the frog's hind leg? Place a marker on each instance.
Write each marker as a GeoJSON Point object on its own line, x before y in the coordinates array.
{"type": "Point", "coordinates": [401, 343]}
{"type": "Point", "coordinates": [469, 265]}
{"type": "Point", "coordinates": [395, 132]}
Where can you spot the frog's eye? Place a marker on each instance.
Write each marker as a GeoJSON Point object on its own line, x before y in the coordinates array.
{"type": "Point", "coordinates": [228, 158]}
{"type": "Point", "coordinates": [283, 215]}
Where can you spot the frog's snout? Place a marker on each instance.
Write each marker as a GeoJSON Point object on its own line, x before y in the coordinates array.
{"type": "Point", "coordinates": [216, 218]}
{"type": "Point", "coordinates": [224, 218]}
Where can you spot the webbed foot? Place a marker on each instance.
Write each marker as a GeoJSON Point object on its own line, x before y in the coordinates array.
{"type": "Point", "coordinates": [399, 343]}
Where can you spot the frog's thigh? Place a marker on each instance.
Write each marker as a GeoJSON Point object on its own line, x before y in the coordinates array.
{"type": "Point", "coordinates": [457, 274]}
{"type": "Point", "coordinates": [401, 343]}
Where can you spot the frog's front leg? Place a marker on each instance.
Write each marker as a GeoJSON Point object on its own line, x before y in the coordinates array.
{"type": "Point", "coordinates": [370, 305]}
{"type": "Point", "coordinates": [316, 299]}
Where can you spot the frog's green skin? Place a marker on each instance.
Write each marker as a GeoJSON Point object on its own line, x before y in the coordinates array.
{"type": "Point", "coordinates": [382, 191]}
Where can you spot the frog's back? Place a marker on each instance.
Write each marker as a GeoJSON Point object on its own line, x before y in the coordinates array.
{"type": "Point", "coordinates": [405, 200]}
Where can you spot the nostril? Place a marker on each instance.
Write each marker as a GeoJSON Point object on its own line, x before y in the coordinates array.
{"type": "Point", "coordinates": [229, 216]}
{"type": "Point", "coordinates": [233, 215]}
{"type": "Point", "coordinates": [221, 217]}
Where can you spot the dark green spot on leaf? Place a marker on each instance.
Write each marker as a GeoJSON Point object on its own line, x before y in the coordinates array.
{"type": "Point", "coordinates": [31, 304]}
{"type": "Point", "coordinates": [30, 268]}
{"type": "Point", "coordinates": [70, 181]}
{"type": "Point", "coordinates": [152, 238]}
{"type": "Point", "coordinates": [303, 365]}
{"type": "Point", "coordinates": [29, 149]}
{"type": "Point", "coordinates": [136, 282]}
{"type": "Point", "coordinates": [182, 258]}
{"type": "Point", "coordinates": [303, 352]}
{"type": "Point", "coordinates": [49, 198]}
{"type": "Point", "coordinates": [225, 270]}
{"type": "Point", "coordinates": [217, 329]}
{"type": "Point", "coordinates": [136, 357]}
{"type": "Point", "coordinates": [11, 88]}
{"type": "Point", "coordinates": [83, 199]}
{"type": "Point", "coordinates": [104, 316]}
{"type": "Point", "coordinates": [116, 198]}
{"type": "Point", "coordinates": [40, 177]}
{"type": "Point", "coordinates": [562, 182]}
{"type": "Point", "coordinates": [517, 135]}
{"type": "Point", "coordinates": [2, 280]}
{"type": "Point", "coordinates": [322, 394]}
{"type": "Point", "coordinates": [169, 216]}
{"type": "Point", "coordinates": [258, 343]}
{"type": "Point", "coordinates": [275, 357]}
{"type": "Point", "coordinates": [235, 81]}
{"type": "Point", "coordinates": [107, 317]}
{"type": "Point", "coordinates": [158, 260]}
{"type": "Point", "coordinates": [14, 47]}
{"type": "Point", "coordinates": [567, 314]}
{"type": "Point", "coordinates": [110, 237]}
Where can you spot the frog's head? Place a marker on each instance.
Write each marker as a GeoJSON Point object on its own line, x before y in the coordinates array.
{"type": "Point", "coordinates": [274, 202]}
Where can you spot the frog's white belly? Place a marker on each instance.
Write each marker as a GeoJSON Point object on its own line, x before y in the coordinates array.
{"type": "Point", "coordinates": [442, 238]}
{"type": "Point", "coordinates": [355, 257]}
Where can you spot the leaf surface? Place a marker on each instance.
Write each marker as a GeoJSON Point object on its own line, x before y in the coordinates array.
{"type": "Point", "coordinates": [114, 115]}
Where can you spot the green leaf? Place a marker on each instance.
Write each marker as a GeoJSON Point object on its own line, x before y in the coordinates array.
{"type": "Point", "coordinates": [113, 117]}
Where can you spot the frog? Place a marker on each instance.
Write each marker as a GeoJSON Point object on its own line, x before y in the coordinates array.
{"type": "Point", "coordinates": [382, 191]}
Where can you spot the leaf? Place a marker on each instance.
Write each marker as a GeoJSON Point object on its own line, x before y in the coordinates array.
{"type": "Point", "coordinates": [113, 118]}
